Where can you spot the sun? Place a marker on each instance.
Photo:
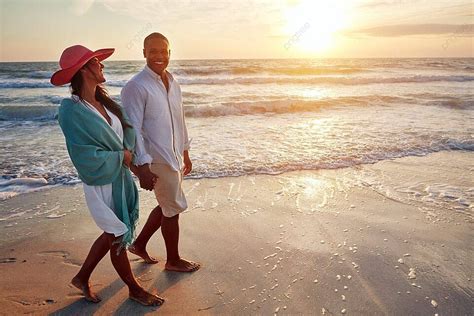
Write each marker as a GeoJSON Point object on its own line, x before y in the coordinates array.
{"type": "Point", "coordinates": [312, 24]}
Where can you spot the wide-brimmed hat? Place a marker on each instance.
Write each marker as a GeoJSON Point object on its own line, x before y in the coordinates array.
{"type": "Point", "coordinates": [73, 58]}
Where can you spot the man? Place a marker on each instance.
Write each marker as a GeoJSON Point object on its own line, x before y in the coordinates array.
{"type": "Point", "coordinates": [153, 102]}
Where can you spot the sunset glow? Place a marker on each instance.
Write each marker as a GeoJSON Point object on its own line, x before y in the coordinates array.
{"type": "Point", "coordinates": [250, 29]}
{"type": "Point", "coordinates": [314, 24]}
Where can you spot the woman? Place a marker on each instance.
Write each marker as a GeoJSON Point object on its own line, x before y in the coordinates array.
{"type": "Point", "coordinates": [100, 142]}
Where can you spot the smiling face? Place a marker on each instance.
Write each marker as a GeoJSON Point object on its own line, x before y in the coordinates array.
{"type": "Point", "coordinates": [92, 71]}
{"type": "Point", "coordinates": [157, 54]}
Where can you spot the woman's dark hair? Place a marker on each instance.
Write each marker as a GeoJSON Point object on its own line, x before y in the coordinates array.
{"type": "Point", "coordinates": [101, 95]}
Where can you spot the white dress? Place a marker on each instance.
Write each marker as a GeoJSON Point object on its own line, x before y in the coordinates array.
{"type": "Point", "coordinates": [99, 197]}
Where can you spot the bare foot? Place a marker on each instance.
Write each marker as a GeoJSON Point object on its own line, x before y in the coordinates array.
{"type": "Point", "coordinates": [143, 254]}
{"type": "Point", "coordinates": [143, 297]}
{"type": "Point", "coordinates": [182, 265]}
{"type": "Point", "coordinates": [86, 290]}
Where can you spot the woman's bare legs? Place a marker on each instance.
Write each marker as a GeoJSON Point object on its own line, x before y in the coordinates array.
{"type": "Point", "coordinates": [99, 249]}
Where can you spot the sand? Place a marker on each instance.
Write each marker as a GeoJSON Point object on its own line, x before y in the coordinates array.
{"type": "Point", "coordinates": [392, 238]}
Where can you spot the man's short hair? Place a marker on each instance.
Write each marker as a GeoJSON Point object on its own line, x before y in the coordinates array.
{"type": "Point", "coordinates": [155, 35]}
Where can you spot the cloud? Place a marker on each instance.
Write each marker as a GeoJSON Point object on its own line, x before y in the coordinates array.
{"type": "Point", "coordinates": [204, 17]}
{"type": "Point", "coordinates": [140, 10]}
{"type": "Point", "coordinates": [80, 7]}
{"type": "Point", "coordinates": [370, 5]}
{"type": "Point", "coordinates": [416, 29]}
{"type": "Point", "coordinates": [174, 10]}
{"type": "Point", "coordinates": [415, 12]}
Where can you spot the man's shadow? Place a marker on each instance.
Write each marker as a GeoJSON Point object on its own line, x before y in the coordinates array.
{"type": "Point", "coordinates": [165, 280]}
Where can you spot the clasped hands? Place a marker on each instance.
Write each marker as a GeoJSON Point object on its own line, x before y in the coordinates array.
{"type": "Point", "coordinates": [147, 178]}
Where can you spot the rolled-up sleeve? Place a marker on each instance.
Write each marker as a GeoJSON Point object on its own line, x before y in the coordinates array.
{"type": "Point", "coordinates": [133, 101]}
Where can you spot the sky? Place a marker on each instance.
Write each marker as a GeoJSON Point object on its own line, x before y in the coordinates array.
{"type": "Point", "coordinates": [39, 30]}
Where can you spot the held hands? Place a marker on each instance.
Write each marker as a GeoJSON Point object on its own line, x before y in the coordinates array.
{"type": "Point", "coordinates": [147, 178]}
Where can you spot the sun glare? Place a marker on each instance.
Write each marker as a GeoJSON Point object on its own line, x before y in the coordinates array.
{"type": "Point", "coordinates": [312, 24]}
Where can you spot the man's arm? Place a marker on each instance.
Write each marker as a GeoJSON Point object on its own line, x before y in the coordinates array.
{"type": "Point", "coordinates": [133, 101]}
{"type": "Point", "coordinates": [188, 165]}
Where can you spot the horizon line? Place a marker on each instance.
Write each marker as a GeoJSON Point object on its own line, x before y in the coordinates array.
{"type": "Point", "coordinates": [270, 58]}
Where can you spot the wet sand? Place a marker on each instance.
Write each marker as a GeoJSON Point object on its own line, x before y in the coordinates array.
{"type": "Point", "coordinates": [367, 240]}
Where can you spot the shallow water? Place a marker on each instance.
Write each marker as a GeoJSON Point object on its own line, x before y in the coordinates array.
{"type": "Point", "coordinates": [261, 116]}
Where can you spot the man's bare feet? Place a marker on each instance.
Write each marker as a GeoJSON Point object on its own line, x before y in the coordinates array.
{"type": "Point", "coordinates": [142, 254]}
{"type": "Point", "coordinates": [182, 265]}
{"type": "Point", "coordinates": [86, 290]}
{"type": "Point", "coordinates": [143, 297]}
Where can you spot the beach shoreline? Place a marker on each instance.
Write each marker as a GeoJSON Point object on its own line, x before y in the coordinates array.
{"type": "Point", "coordinates": [394, 237]}
{"type": "Point", "coordinates": [318, 114]}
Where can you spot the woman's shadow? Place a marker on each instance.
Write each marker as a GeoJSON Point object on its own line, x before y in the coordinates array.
{"type": "Point", "coordinates": [165, 280]}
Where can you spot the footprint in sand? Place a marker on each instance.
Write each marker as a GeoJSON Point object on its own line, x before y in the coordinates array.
{"type": "Point", "coordinates": [19, 300]}
{"type": "Point", "coordinates": [54, 253]}
{"type": "Point", "coordinates": [7, 260]}
{"type": "Point", "coordinates": [30, 301]}
{"type": "Point", "coordinates": [62, 254]}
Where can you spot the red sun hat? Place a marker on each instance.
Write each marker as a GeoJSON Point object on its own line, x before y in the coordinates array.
{"type": "Point", "coordinates": [73, 58]}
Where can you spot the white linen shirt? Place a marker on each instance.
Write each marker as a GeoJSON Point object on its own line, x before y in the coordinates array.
{"type": "Point", "coordinates": [158, 118]}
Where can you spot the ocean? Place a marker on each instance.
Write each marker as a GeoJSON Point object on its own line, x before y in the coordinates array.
{"type": "Point", "coordinates": [250, 117]}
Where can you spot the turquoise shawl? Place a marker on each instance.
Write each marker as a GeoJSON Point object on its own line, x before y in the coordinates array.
{"type": "Point", "coordinates": [97, 153]}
